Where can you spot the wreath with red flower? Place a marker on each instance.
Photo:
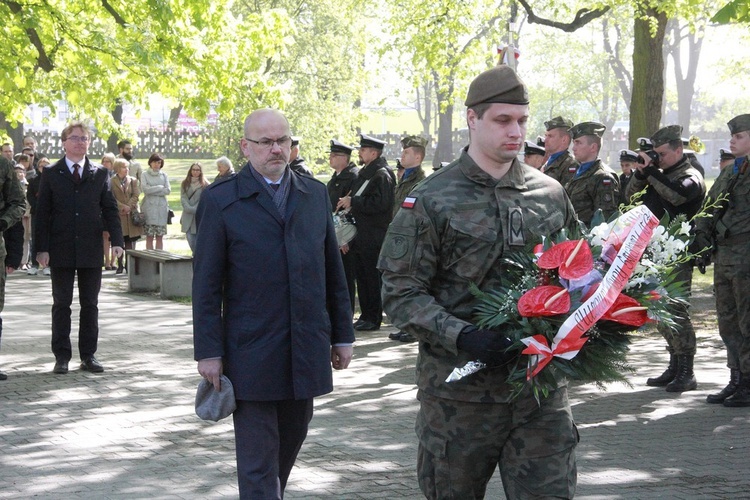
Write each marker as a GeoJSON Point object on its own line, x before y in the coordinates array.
{"type": "Point", "coordinates": [571, 305]}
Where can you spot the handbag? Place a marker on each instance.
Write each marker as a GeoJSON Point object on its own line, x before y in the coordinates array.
{"type": "Point", "coordinates": [138, 218]}
{"type": "Point", "coordinates": [170, 215]}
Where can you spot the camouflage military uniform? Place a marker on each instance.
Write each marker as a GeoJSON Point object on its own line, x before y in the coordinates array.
{"type": "Point", "coordinates": [597, 187]}
{"type": "Point", "coordinates": [679, 189]}
{"type": "Point", "coordinates": [563, 168]}
{"type": "Point", "coordinates": [462, 223]}
{"type": "Point", "coordinates": [12, 207]}
{"type": "Point", "coordinates": [732, 265]}
{"type": "Point", "coordinates": [405, 186]}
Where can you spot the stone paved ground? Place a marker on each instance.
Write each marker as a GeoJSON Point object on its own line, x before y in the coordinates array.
{"type": "Point", "coordinates": [131, 432]}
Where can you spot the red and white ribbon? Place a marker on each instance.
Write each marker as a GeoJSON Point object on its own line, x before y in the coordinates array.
{"type": "Point", "coordinates": [569, 338]}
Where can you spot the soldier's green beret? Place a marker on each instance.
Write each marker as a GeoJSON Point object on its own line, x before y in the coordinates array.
{"type": "Point", "coordinates": [531, 148]}
{"type": "Point", "coordinates": [499, 84]}
{"type": "Point", "coordinates": [667, 134]}
{"type": "Point", "coordinates": [558, 122]}
{"type": "Point", "coordinates": [295, 140]}
{"type": "Point", "coordinates": [739, 124]}
{"type": "Point", "coordinates": [413, 141]}
{"type": "Point", "coordinates": [725, 154]}
{"type": "Point", "coordinates": [588, 128]}
{"type": "Point", "coordinates": [628, 155]}
{"type": "Point", "coordinates": [340, 147]}
{"type": "Point", "coordinates": [366, 141]}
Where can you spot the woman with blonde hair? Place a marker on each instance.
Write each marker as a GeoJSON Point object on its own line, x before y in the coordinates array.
{"type": "Point", "coordinates": [126, 192]}
{"type": "Point", "coordinates": [190, 194]}
{"type": "Point", "coordinates": [155, 187]}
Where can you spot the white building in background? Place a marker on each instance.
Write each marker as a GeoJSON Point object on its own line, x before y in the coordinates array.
{"type": "Point", "coordinates": [155, 117]}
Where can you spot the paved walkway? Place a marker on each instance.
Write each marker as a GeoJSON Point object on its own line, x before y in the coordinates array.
{"type": "Point", "coordinates": [131, 432]}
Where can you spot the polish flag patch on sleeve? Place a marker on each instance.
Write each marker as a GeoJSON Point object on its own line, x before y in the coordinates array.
{"type": "Point", "coordinates": [606, 181]}
{"type": "Point", "coordinates": [409, 202]}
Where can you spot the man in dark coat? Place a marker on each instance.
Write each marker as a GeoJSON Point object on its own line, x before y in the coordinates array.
{"type": "Point", "coordinates": [340, 185]}
{"type": "Point", "coordinates": [371, 204]}
{"type": "Point", "coordinates": [270, 305]}
{"type": "Point", "coordinates": [296, 162]}
{"type": "Point", "coordinates": [74, 207]}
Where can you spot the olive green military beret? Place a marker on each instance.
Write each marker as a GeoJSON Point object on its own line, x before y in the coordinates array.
{"type": "Point", "coordinates": [499, 84]}
{"type": "Point", "coordinates": [413, 141]}
{"type": "Point", "coordinates": [530, 148]}
{"type": "Point", "coordinates": [558, 122]}
{"type": "Point", "coordinates": [667, 134]}
{"type": "Point", "coordinates": [739, 123]}
{"type": "Point", "coordinates": [588, 128]}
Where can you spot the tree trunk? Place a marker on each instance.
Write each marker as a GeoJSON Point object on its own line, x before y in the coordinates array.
{"type": "Point", "coordinates": [444, 150]}
{"type": "Point", "coordinates": [686, 82]}
{"type": "Point", "coordinates": [114, 138]}
{"type": "Point", "coordinates": [648, 76]}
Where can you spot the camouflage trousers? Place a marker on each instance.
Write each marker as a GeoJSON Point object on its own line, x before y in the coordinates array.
{"type": "Point", "coordinates": [681, 341]}
{"type": "Point", "coordinates": [2, 294]}
{"type": "Point", "coordinates": [461, 444]}
{"type": "Point", "coordinates": [732, 284]}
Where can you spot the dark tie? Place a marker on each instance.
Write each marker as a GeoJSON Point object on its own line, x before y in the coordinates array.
{"type": "Point", "coordinates": [275, 187]}
{"type": "Point", "coordinates": [76, 173]}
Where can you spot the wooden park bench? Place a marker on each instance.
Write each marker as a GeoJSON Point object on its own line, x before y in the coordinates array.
{"type": "Point", "coordinates": [156, 270]}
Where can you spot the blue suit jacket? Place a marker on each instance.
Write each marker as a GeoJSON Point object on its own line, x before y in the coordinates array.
{"type": "Point", "coordinates": [269, 296]}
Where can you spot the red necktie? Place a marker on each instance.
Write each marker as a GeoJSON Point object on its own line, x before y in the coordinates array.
{"type": "Point", "coordinates": [76, 173]}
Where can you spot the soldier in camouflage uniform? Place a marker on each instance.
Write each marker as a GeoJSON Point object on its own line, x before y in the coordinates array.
{"type": "Point", "coordinates": [560, 165]}
{"type": "Point", "coordinates": [729, 234]}
{"type": "Point", "coordinates": [594, 185]}
{"type": "Point", "coordinates": [12, 207]}
{"type": "Point", "coordinates": [455, 230]}
{"type": "Point", "coordinates": [673, 187]}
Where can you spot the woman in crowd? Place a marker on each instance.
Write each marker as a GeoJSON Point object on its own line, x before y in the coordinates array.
{"type": "Point", "coordinates": [225, 168]}
{"type": "Point", "coordinates": [108, 161]}
{"type": "Point", "coordinates": [31, 197]}
{"type": "Point", "coordinates": [126, 192]}
{"type": "Point", "coordinates": [26, 219]}
{"type": "Point", "coordinates": [190, 193]}
{"type": "Point", "coordinates": [155, 187]}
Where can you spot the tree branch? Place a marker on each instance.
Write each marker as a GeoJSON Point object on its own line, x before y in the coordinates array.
{"type": "Point", "coordinates": [42, 61]}
{"type": "Point", "coordinates": [582, 18]}
{"type": "Point", "coordinates": [118, 18]}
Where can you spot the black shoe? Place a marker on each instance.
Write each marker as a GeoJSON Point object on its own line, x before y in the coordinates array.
{"type": "Point", "coordinates": [367, 326]}
{"type": "Point", "coordinates": [61, 367]}
{"type": "Point", "coordinates": [119, 270]}
{"type": "Point", "coordinates": [3, 376]}
{"type": "Point", "coordinates": [407, 337]}
{"type": "Point", "coordinates": [395, 335]}
{"type": "Point", "coordinates": [730, 389]}
{"type": "Point", "coordinates": [90, 364]}
{"type": "Point", "coordinates": [669, 374]}
{"type": "Point", "coordinates": [358, 322]}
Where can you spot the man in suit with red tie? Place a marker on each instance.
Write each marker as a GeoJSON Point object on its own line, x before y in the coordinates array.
{"type": "Point", "coordinates": [74, 206]}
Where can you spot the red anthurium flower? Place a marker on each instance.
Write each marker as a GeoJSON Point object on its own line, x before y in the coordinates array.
{"type": "Point", "coordinates": [628, 311]}
{"type": "Point", "coordinates": [573, 259]}
{"type": "Point", "coordinates": [654, 295]}
{"type": "Point", "coordinates": [544, 301]}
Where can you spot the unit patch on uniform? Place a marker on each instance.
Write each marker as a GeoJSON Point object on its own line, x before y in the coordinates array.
{"type": "Point", "coordinates": [396, 246]}
{"type": "Point", "coordinates": [515, 227]}
{"type": "Point", "coordinates": [409, 202]}
{"type": "Point", "coordinates": [606, 181]}
{"type": "Point", "coordinates": [573, 169]}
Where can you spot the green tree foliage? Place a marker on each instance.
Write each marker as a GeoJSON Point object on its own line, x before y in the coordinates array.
{"type": "Point", "coordinates": [93, 53]}
{"type": "Point", "coordinates": [446, 42]}
{"type": "Point", "coordinates": [736, 11]}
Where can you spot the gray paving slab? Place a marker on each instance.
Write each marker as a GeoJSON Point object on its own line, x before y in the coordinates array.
{"type": "Point", "coordinates": [131, 432]}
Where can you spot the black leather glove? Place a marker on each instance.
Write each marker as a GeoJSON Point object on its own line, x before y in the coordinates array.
{"type": "Point", "coordinates": [485, 345]}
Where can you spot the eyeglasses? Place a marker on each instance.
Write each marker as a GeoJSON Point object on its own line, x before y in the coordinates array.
{"type": "Point", "coordinates": [283, 142]}
{"type": "Point", "coordinates": [77, 138]}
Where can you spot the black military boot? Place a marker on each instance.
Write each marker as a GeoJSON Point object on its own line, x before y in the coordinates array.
{"type": "Point", "coordinates": [741, 396]}
{"type": "Point", "coordinates": [731, 388]}
{"type": "Point", "coordinates": [668, 375]}
{"type": "Point", "coordinates": [685, 378]}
